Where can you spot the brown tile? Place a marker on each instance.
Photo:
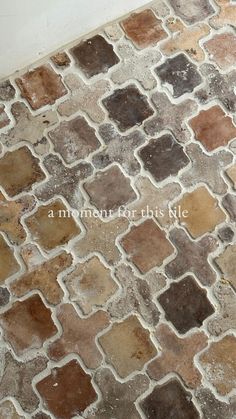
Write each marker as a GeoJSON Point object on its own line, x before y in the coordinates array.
{"type": "Point", "coordinates": [8, 411]}
{"type": "Point", "coordinates": [222, 49]}
{"type": "Point", "coordinates": [128, 107]}
{"type": "Point", "coordinates": [136, 295]}
{"type": "Point", "coordinates": [218, 364]}
{"type": "Point", "coordinates": [41, 86]}
{"type": "Point", "coordinates": [169, 399]}
{"type": "Point", "coordinates": [74, 139]}
{"type": "Point", "coordinates": [192, 256]}
{"type": "Point", "coordinates": [186, 304]}
{"type": "Point", "coordinates": [202, 214]}
{"type": "Point", "coordinates": [90, 284]}
{"type": "Point", "coordinates": [27, 324]}
{"type": "Point", "coordinates": [10, 217]}
{"type": "Point", "coordinates": [127, 346]}
{"type": "Point", "coordinates": [147, 245]}
{"type": "Point", "coordinates": [225, 16]}
{"type": "Point", "coordinates": [41, 415]}
{"type": "Point", "coordinates": [24, 175]}
{"type": "Point", "coordinates": [44, 278]}
{"type": "Point", "coordinates": [177, 356]}
{"type": "Point", "coordinates": [7, 91]}
{"type": "Point", "coordinates": [163, 157]}
{"type": "Point", "coordinates": [16, 380]}
{"type": "Point", "coordinates": [192, 12]}
{"type": "Point", "coordinates": [144, 28]}
{"type": "Point", "coordinates": [226, 234]}
{"type": "Point", "coordinates": [213, 128]}
{"type": "Point", "coordinates": [9, 266]}
{"type": "Point", "coordinates": [55, 390]}
{"type": "Point", "coordinates": [229, 203]}
{"type": "Point", "coordinates": [101, 237]}
{"type": "Point", "coordinates": [117, 398]}
{"type": "Point", "coordinates": [225, 317]}
{"type": "Point", "coordinates": [4, 120]}
{"type": "Point", "coordinates": [4, 296]}
{"type": "Point", "coordinates": [29, 127]}
{"type": "Point", "coordinates": [61, 60]}
{"type": "Point", "coordinates": [79, 335]}
{"type": "Point", "coordinates": [51, 226]}
{"type": "Point", "coordinates": [110, 190]}
{"type": "Point", "coordinates": [212, 408]}
{"type": "Point", "coordinates": [94, 56]}
{"type": "Point", "coordinates": [227, 264]}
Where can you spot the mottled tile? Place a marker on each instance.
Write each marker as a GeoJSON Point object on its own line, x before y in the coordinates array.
{"type": "Point", "coordinates": [27, 324]}
{"type": "Point", "coordinates": [226, 261]}
{"type": "Point", "coordinates": [61, 60]}
{"type": "Point", "coordinates": [218, 364]}
{"type": "Point", "coordinates": [163, 157]}
{"type": "Point", "coordinates": [177, 356]}
{"type": "Point", "coordinates": [192, 256]}
{"type": "Point", "coordinates": [9, 265]}
{"type": "Point", "coordinates": [169, 400]}
{"type": "Point", "coordinates": [179, 75]}
{"type": "Point", "coordinates": [225, 16]}
{"type": "Point", "coordinates": [94, 56]}
{"type": "Point", "coordinates": [222, 49]}
{"type": "Point", "coordinates": [229, 203]}
{"type": "Point", "coordinates": [55, 390]}
{"type": "Point", "coordinates": [212, 408]}
{"type": "Point", "coordinates": [127, 346]}
{"type": "Point", "coordinates": [4, 120]}
{"type": "Point", "coordinates": [225, 317]}
{"type": "Point", "coordinates": [147, 245]}
{"type": "Point", "coordinates": [226, 234]}
{"type": "Point", "coordinates": [78, 335]}
{"type": "Point", "coordinates": [231, 172]}
{"type": "Point", "coordinates": [192, 12]}
{"type": "Point", "coordinates": [90, 284]}
{"type": "Point", "coordinates": [8, 411]}
{"type": "Point", "coordinates": [41, 86]}
{"type": "Point", "coordinates": [113, 31]}
{"type": "Point", "coordinates": [144, 29]}
{"type": "Point", "coordinates": [7, 91]}
{"type": "Point", "coordinates": [4, 296]}
{"type": "Point", "coordinates": [52, 225]}
{"type": "Point", "coordinates": [74, 139]}
{"type": "Point", "coordinates": [110, 190]}
{"type": "Point", "coordinates": [128, 107]}
{"type": "Point", "coordinates": [41, 415]}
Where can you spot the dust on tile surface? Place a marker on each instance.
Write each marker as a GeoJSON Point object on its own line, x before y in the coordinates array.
{"type": "Point", "coordinates": [117, 222]}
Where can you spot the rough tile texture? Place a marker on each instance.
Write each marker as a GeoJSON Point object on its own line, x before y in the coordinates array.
{"type": "Point", "coordinates": [130, 315]}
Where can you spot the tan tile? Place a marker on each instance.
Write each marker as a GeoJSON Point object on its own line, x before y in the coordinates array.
{"type": "Point", "coordinates": [222, 49]}
{"type": "Point", "coordinates": [4, 120]}
{"type": "Point", "coordinates": [227, 263]}
{"type": "Point", "coordinates": [231, 172]}
{"type": "Point", "coordinates": [226, 15]}
{"type": "Point", "coordinates": [8, 411]}
{"type": "Point", "coordinates": [61, 60]}
{"type": "Point", "coordinates": [9, 265]}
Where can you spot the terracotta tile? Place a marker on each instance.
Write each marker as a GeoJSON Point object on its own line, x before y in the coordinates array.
{"type": "Point", "coordinates": [150, 196]}
{"type": "Point", "coordinates": [55, 390]}
{"type": "Point", "coordinates": [127, 346]}
{"type": "Point", "coordinates": [10, 217]}
{"type": "Point", "coordinates": [192, 12]}
{"type": "Point", "coordinates": [192, 256]}
{"type": "Point", "coordinates": [24, 175]}
{"type": "Point", "coordinates": [203, 212]}
{"type": "Point", "coordinates": [225, 234]}
{"type": "Point", "coordinates": [117, 398]}
{"type": "Point", "coordinates": [44, 278]}
{"type": "Point", "coordinates": [231, 172]}
{"type": "Point", "coordinates": [61, 60]}
{"type": "Point", "coordinates": [63, 181]}
{"type": "Point", "coordinates": [213, 408]}
{"type": "Point", "coordinates": [127, 107]}
{"type": "Point", "coordinates": [4, 296]}
{"type": "Point", "coordinates": [136, 295]}
{"type": "Point", "coordinates": [227, 263]}
{"type": "Point", "coordinates": [27, 324]}
{"type": "Point", "coordinates": [7, 91]}
{"type": "Point", "coordinates": [119, 149]}
{"type": "Point", "coordinates": [218, 364]}
{"type": "Point", "coordinates": [225, 318]}
{"type": "Point", "coordinates": [186, 304]}
{"type": "Point", "coordinates": [144, 28]}
{"type": "Point", "coordinates": [179, 75]}
{"type": "Point", "coordinates": [4, 120]}
{"type": "Point", "coordinates": [177, 356]}
{"type": "Point", "coordinates": [213, 128]}
{"type": "Point", "coordinates": [206, 168]}
{"type": "Point", "coordinates": [94, 56]}
{"type": "Point", "coordinates": [110, 190]}
{"type": "Point", "coordinates": [136, 66]}
{"type": "Point", "coordinates": [185, 39]}
{"type": "Point", "coordinates": [174, 117]}
{"type": "Point", "coordinates": [84, 97]}
{"type": "Point", "coordinates": [74, 139]}
{"type": "Point", "coordinates": [147, 245]}
{"type": "Point", "coordinates": [229, 203]}
{"type": "Point", "coordinates": [100, 237]}
{"type": "Point", "coordinates": [222, 49]}
{"type": "Point", "coordinates": [78, 335]}
{"type": "Point", "coordinates": [29, 127]}
{"type": "Point", "coordinates": [41, 86]}
{"type": "Point", "coordinates": [226, 15]}
{"type": "Point", "coordinates": [218, 86]}
{"type": "Point", "coordinates": [90, 284]}
{"type": "Point", "coordinates": [169, 399]}
{"type": "Point", "coordinates": [51, 226]}
{"type": "Point", "coordinates": [9, 266]}
{"type": "Point", "coordinates": [163, 157]}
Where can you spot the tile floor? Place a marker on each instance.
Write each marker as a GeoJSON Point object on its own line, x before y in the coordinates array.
{"type": "Point", "coordinates": [117, 222]}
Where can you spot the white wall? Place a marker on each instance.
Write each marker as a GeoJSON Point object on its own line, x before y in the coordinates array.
{"type": "Point", "coordinates": [31, 29]}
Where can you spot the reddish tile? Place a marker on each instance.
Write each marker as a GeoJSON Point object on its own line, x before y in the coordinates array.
{"type": "Point", "coordinates": [9, 266]}
{"type": "Point", "coordinates": [225, 16]}
{"type": "Point", "coordinates": [222, 49]}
